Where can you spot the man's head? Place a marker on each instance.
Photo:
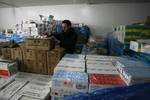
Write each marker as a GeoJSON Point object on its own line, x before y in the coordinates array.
{"type": "Point", "coordinates": [66, 24]}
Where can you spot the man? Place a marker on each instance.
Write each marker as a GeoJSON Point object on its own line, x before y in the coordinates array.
{"type": "Point", "coordinates": [68, 37]}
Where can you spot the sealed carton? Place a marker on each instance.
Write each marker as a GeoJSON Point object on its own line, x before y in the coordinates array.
{"type": "Point", "coordinates": [36, 91]}
{"type": "Point", "coordinates": [101, 81]}
{"type": "Point", "coordinates": [11, 89]}
{"type": "Point", "coordinates": [6, 53]}
{"type": "Point", "coordinates": [40, 43]}
{"type": "Point", "coordinates": [8, 68]}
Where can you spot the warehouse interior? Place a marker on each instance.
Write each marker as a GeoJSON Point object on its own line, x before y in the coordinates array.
{"type": "Point", "coordinates": [74, 49]}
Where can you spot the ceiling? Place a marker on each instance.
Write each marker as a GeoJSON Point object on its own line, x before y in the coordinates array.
{"type": "Point", "coordinates": [24, 3]}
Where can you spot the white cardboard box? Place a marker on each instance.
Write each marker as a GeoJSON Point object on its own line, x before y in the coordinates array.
{"type": "Point", "coordinates": [36, 91]}
{"type": "Point", "coordinates": [9, 68]}
{"type": "Point", "coordinates": [75, 56]}
{"type": "Point", "coordinates": [140, 46]}
{"type": "Point", "coordinates": [79, 69]}
{"type": "Point", "coordinates": [100, 58]}
{"type": "Point", "coordinates": [5, 81]}
{"type": "Point", "coordinates": [11, 89]}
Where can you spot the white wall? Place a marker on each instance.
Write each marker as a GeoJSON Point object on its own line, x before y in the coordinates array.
{"type": "Point", "coordinates": [101, 17]}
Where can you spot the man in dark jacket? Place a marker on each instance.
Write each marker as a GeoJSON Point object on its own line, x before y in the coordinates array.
{"type": "Point", "coordinates": [68, 38]}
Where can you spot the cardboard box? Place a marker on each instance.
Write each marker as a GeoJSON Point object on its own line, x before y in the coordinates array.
{"type": "Point", "coordinates": [69, 69]}
{"type": "Point", "coordinates": [59, 52]}
{"type": "Point", "coordinates": [29, 66]}
{"type": "Point", "coordinates": [140, 46]}
{"type": "Point", "coordinates": [41, 67]}
{"type": "Point", "coordinates": [101, 81]}
{"type": "Point", "coordinates": [101, 68]}
{"type": "Point", "coordinates": [99, 63]}
{"type": "Point", "coordinates": [53, 57]}
{"type": "Point", "coordinates": [21, 97]}
{"type": "Point", "coordinates": [29, 54]}
{"type": "Point", "coordinates": [129, 70]}
{"type": "Point", "coordinates": [77, 81]}
{"type": "Point", "coordinates": [62, 92]}
{"type": "Point", "coordinates": [41, 55]}
{"type": "Point", "coordinates": [132, 76]}
{"type": "Point", "coordinates": [6, 53]}
{"type": "Point", "coordinates": [5, 81]}
{"type": "Point", "coordinates": [8, 68]}
{"type": "Point", "coordinates": [44, 80]}
{"type": "Point", "coordinates": [40, 43]}
{"type": "Point", "coordinates": [11, 89]}
{"type": "Point", "coordinates": [16, 54]}
{"type": "Point", "coordinates": [36, 91]}
{"type": "Point", "coordinates": [28, 98]}
{"type": "Point", "coordinates": [100, 58]}
{"type": "Point", "coordinates": [74, 56]}
{"type": "Point", "coordinates": [22, 76]}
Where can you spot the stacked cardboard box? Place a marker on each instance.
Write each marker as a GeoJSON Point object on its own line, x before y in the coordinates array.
{"type": "Point", "coordinates": [71, 63]}
{"type": "Point", "coordinates": [6, 53]}
{"type": "Point", "coordinates": [66, 83]}
{"type": "Point", "coordinates": [101, 67]}
{"type": "Point", "coordinates": [35, 54]}
{"type": "Point", "coordinates": [40, 43]}
{"type": "Point", "coordinates": [133, 71]}
{"type": "Point", "coordinates": [101, 58]}
{"type": "Point", "coordinates": [140, 46]}
{"type": "Point", "coordinates": [127, 33]}
{"type": "Point", "coordinates": [53, 58]}
{"type": "Point", "coordinates": [11, 89]}
{"type": "Point", "coordinates": [4, 82]}
{"type": "Point", "coordinates": [36, 91]}
{"type": "Point", "coordinates": [102, 72]}
{"type": "Point", "coordinates": [34, 61]}
{"type": "Point", "coordinates": [101, 81]}
{"type": "Point", "coordinates": [36, 88]}
{"type": "Point", "coordinates": [17, 55]}
{"type": "Point", "coordinates": [8, 68]}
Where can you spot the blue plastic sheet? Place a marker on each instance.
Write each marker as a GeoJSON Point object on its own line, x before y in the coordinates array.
{"type": "Point", "coordinates": [134, 92]}
{"type": "Point", "coordinates": [14, 37]}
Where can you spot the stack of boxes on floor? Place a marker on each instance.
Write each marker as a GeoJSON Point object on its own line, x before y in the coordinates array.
{"type": "Point", "coordinates": [102, 72]}
{"type": "Point", "coordinates": [25, 86]}
{"type": "Point", "coordinates": [133, 71]}
{"type": "Point", "coordinates": [141, 49]}
{"type": "Point", "coordinates": [123, 34]}
{"type": "Point", "coordinates": [69, 77]}
{"type": "Point", "coordinates": [36, 55]}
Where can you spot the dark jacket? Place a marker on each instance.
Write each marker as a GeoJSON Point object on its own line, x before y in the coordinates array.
{"type": "Point", "coordinates": [68, 40]}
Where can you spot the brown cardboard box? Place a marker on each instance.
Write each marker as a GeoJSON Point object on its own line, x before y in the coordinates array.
{"type": "Point", "coordinates": [6, 53]}
{"type": "Point", "coordinates": [29, 54]}
{"type": "Point", "coordinates": [40, 44]}
{"type": "Point", "coordinates": [41, 55]}
{"type": "Point", "coordinates": [16, 54]}
{"type": "Point", "coordinates": [22, 45]}
{"type": "Point", "coordinates": [29, 66]}
{"type": "Point", "coordinates": [41, 67]}
{"type": "Point", "coordinates": [59, 52]}
{"type": "Point", "coordinates": [53, 58]}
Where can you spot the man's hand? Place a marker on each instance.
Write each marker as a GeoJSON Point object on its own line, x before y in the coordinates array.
{"type": "Point", "coordinates": [56, 40]}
